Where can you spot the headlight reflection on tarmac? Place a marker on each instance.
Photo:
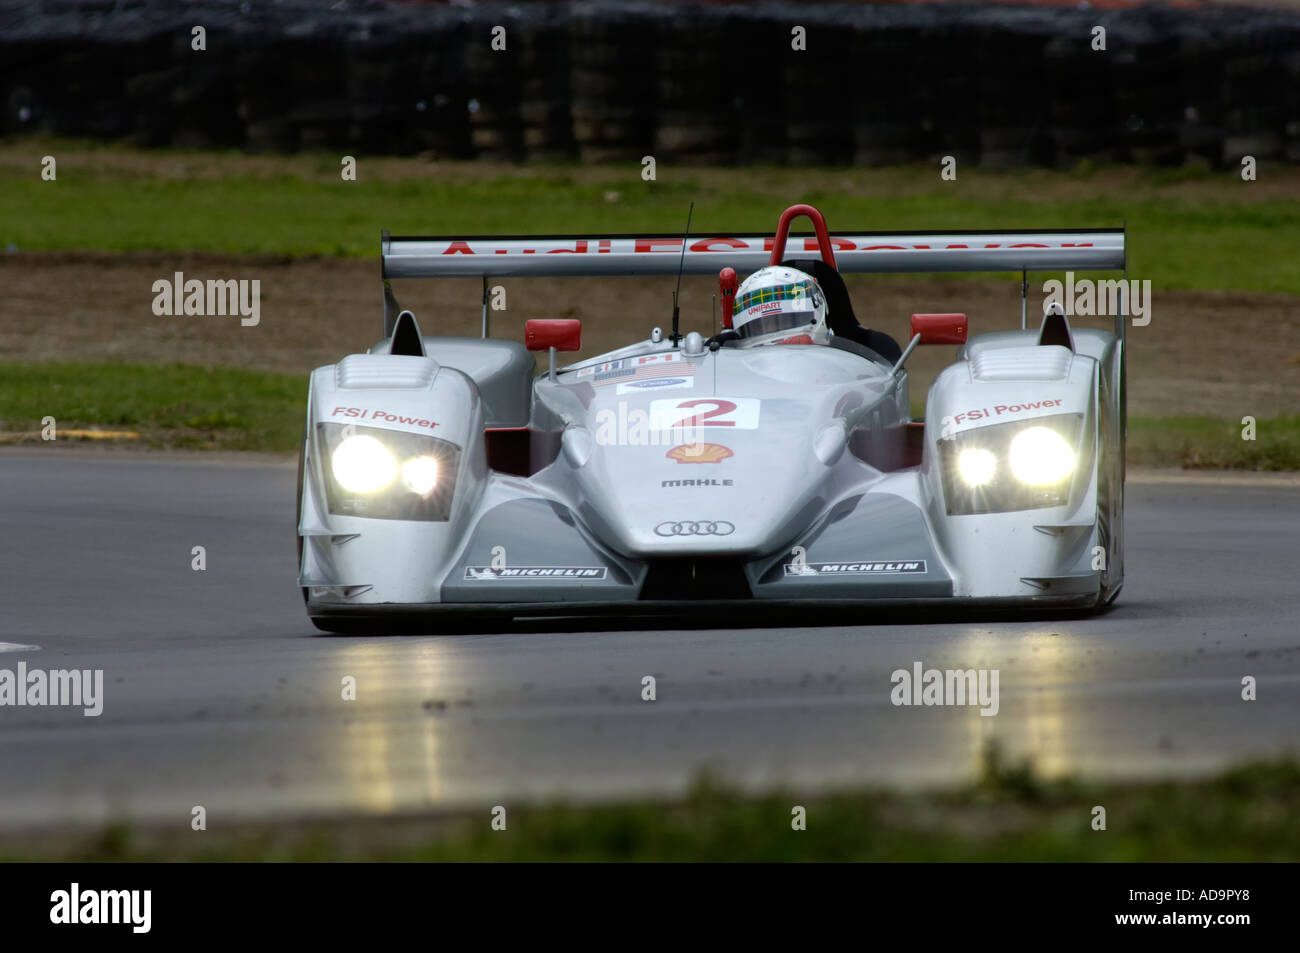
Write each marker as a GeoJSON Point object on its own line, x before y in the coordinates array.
{"type": "Point", "coordinates": [1032, 717]}
{"type": "Point", "coordinates": [390, 763]}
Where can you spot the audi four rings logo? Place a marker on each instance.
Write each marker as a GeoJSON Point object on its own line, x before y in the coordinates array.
{"type": "Point", "coordinates": [696, 528]}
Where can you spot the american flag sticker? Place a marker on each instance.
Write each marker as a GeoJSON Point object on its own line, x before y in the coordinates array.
{"type": "Point", "coordinates": [648, 367]}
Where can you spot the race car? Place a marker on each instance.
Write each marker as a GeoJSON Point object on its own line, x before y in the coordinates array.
{"type": "Point", "coordinates": [773, 463]}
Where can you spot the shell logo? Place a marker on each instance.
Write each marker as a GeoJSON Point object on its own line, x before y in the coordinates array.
{"type": "Point", "coordinates": [699, 453]}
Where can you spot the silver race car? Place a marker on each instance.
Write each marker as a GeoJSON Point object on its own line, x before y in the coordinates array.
{"type": "Point", "coordinates": [771, 464]}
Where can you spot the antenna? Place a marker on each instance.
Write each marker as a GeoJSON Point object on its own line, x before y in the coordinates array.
{"type": "Point", "coordinates": [681, 266]}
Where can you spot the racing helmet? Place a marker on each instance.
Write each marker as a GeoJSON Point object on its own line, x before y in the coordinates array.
{"type": "Point", "coordinates": [780, 305]}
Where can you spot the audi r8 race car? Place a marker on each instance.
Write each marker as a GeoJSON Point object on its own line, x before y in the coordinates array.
{"type": "Point", "coordinates": [774, 463]}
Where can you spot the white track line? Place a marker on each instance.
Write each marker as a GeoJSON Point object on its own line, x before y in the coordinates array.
{"type": "Point", "coordinates": [15, 647]}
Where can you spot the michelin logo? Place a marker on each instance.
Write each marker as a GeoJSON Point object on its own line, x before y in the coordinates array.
{"type": "Point", "coordinates": [840, 569]}
{"type": "Point", "coordinates": [487, 573]}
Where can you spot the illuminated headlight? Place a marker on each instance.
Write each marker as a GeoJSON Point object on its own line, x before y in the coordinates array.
{"type": "Point", "coordinates": [420, 474]}
{"type": "Point", "coordinates": [1040, 456]}
{"type": "Point", "coordinates": [1021, 465]}
{"type": "Point", "coordinates": [976, 466]}
{"type": "Point", "coordinates": [387, 474]}
{"type": "Point", "coordinates": [361, 464]}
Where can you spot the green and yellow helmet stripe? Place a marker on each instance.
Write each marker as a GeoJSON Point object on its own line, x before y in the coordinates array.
{"type": "Point", "coordinates": [796, 289]}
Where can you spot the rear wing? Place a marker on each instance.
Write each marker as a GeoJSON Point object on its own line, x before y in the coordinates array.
{"type": "Point", "coordinates": [856, 253]}
{"type": "Point", "coordinates": [852, 253]}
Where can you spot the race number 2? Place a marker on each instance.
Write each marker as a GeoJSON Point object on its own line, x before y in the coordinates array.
{"type": "Point", "coordinates": [735, 413]}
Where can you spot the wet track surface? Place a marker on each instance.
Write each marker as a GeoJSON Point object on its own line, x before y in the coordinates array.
{"type": "Point", "coordinates": [219, 692]}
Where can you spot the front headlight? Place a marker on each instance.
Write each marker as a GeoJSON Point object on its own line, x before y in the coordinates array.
{"type": "Point", "coordinates": [1040, 456]}
{"type": "Point", "coordinates": [387, 474]}
{"type": "Point", "coordinates": [361, 464]}
{"type": "Point", "coordinates": [1021, 465]}
{"type": "Point", "coordinates": [977, 466]}
{"type": "Point", "coordinates": [420, 474]}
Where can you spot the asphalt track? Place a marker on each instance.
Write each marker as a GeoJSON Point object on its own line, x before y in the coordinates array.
{"type": "Point", "coordinates": [218, 692]}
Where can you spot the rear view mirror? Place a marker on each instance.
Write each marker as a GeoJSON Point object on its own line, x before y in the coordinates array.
{"type": "Point", "coordinates": [949, 328]}
{"type": "Point", "coordinates": [553, 334]}
{"type": "Point", "coordinates": [562, 334]}
{"type": "Point", "coordinates": [940, 328]}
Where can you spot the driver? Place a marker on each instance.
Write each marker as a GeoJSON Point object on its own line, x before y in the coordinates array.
{"type": "Point", "coordinates": [780, 305]}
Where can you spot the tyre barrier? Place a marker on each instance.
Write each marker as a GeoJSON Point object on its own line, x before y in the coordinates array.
{"type": "Point", "coordinates": [824, 84]}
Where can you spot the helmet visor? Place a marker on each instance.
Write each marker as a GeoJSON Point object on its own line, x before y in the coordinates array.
{"type": "Point", "coordinates": [781, 307]}
{"type": "Point", "coordinates": [776, 321]}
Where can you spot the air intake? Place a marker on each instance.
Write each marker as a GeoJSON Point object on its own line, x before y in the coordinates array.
{"type": "Point", "coordinates": [1055, 329]}
{"type": "Point", "coordinates": [406, 337]}
{"type": "Point", "coordinates": [1039, 363]}
{"type": "Point", "coordinates": [696, 579]}
{"type": "Point", "coordinates": [384, 371]}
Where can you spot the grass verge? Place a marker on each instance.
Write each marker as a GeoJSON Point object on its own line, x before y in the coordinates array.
{"type": "Point", "coordinates": [219, 408]}
{"type": "Point", "coordinates": [1203, 443]}
{"type": "Point", "coordinates": [177, 406]}
{"type": "Point", "coordinates": [1189, 228]}
{"type": "Point", "coordinates": [1249, 813]}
